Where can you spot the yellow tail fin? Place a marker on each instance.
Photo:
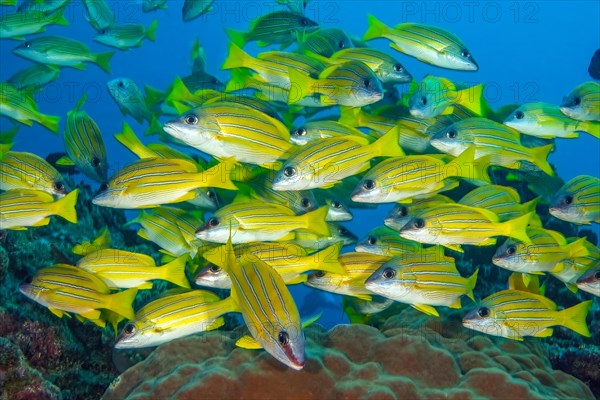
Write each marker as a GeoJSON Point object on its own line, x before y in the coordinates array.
{"type": "Point", "coordinates": [327, 259]}
{"type": "Point", "coordinates": [315, 221]}
{"type": "Point", "coordinates": [465, 166]}
{"type": "Point", "coordinates": [376, 28]}
{"type": "Point", "coordinates": [471, 98]}
{"type": "Point", "coordinates": [388, 145]}
{"type": "Point", "coordinates": [574, 318]}
{"type": "Point", "coordinates": [540, 158]}
{"type": "Point", "coordinates": [471, 282]}
{"type": "Point", "coordinates": [517, 227]}
{"type": "Point", "coordinates": [219, 176]}
{"type": "Point", "coordinates": [65, 207]}
{"type": "Point", "coordinates": [301, 85]}
{"type": "Point", "coordinates": [103, 60]}
{"type": "Point", "coordinates": [578, 248]}
{"type": "Point", "coordinates": [128, 139]}
{"type": "Point", "coordinates": [237, 58]}
{"type": "Point", "coordinates": [174, 272]}
{"type": "Point", "coordinates": [122, 303]}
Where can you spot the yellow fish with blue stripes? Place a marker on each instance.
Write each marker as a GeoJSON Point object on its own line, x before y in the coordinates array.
{"type": "Point", "coordinates": [254, 221]}
{"type": "Point", "coordinates": [267, 307]}
{"type": "Point", "coordinates": [422, 280]}
{"type": "Point", "coordinates": [578, 201]}
{"type": "Point", "coordinates": [150, 182]}
{"type": "Point", "coordinates": [174, 316]}
{"type": "Point", "coordinates": [515, 314]}
{"type": "Point", "coordinates": [21, 208]}
{"type": "Point", "coordinates": [427, 43]}
{"type": "Point", "coordinates": [21, 170]}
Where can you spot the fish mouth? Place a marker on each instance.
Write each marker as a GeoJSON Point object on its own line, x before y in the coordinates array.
{"type": "Point", "coordinates": [203, 228]}
{"type": "Point", "coordinates": [295, 361]}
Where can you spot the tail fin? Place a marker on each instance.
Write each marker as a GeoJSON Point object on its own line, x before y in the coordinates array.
{"type": "Point", "coordinates": [103, 60]}
{"type": "Point", "coordinates": [315, 221]}
{"type": "Point", "coordinates": [471, 282]}
{"type": "Point", "coordinates": [238, 38]}
{"type": "Point", "coordinates": [376, 28]}
{"type": "Point", "coordinates": [540, 158]}
{"type": "Point", "coordinates": [174, 271]}
{"type": "Point", "coordinates": [179, 92]}
{"type": "Point", "coordinates": [388, 145]}
{"type": "Point", "coordinates": [50, 122]}
{"type": "Point", "coordinates": [578, 248]}
{"type": "Point", "coordinates": [237, 58]}
{"type": "Point", "coordinates": [591, 127]}
{"type": "Point", "coordinates": [128, 139]}
{"type": "Point", "coordinates": [153, 96]}
{"type": "Point", "coordinates": [574, 318]}
{"type": "Point", "coordinates": [350, 116]}
{"type": "Point", "coordinates": [301, 85]}
{"type": "Point", "coordinates": [122, 303]}
{"type": "Point", "coordinates": [65, 207]}
{"type": "Point", "coordinates": [471, 98]}
{"type": "Point", "coordinates": [155, 126]}
{"type": "Point", "coordinates": [466, 167]}
{"type": "Point", "coordinates": [517, 227]}
{"type": "Point", "coordinates": [241, 78]}
{"type": "Point", "coordinates": [151, 31]}
{"type": "Point", "coordinates": [219, 176]}
{"type": "Point", "coordinates": [4, 148]}
{"type": "Point", "coordinates": [327, 259]}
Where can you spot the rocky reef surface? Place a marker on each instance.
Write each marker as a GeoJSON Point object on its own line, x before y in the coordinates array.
{"type": "Point", "coordinates": [412, 356]}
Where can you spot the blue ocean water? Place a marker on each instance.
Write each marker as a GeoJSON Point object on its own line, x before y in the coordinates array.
{"type": "Point", "coordinates": [527, 51]}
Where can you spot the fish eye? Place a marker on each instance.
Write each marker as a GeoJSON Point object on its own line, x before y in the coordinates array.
{"type": "Point", "coordinates": [96, 162]}
{"type": "Point", "coordinates": [120, 84]}
{"type": "Point", "coordinates": [451, 134]}
{"type": "Point", "coordinates": [371, 240]}
{"type": "Point", "coordinates": [27, 45]}
{"type": "Point", "coordinates": [389, 273]}
{"type": "Point", "coordinates": [300, 132]}
{"type": "Point", "coordinates": [369, 184]}
{"type": "Point", "coordinates": [519, 115]}
{"type": "Point", "coordinates": [398, 68]}
{"type": "Point", "coordinates": [577, 101]}
{"type": "Point", "coordinates": [191, 119]}
{"type": "Point", "coordinates": [367, 83]}
{"type": "Point", "coordinates": [303, 22]}
{"type": "Point", "coordinates": [319, 274]}
{"type": "Point", "coordinates": [214, 221]}
{"type": "Point", "coordinates": [568, 200]}
{"type": "Point", "coordinates": [284, 338]}
{"type": "Point", "coordinates": [305, 203]}
{"type": "Point", "coordinates": [214, 268]}
{"type": "Point", "coordinates": [465, 53]}
{"type": "Point", "coordinates": [424, 100]}
{"type": "Point", "coordinates": [59, 186]}
{"type": "Point", "coordinates": [341, 44]}
{"type": "Point", "coordinates": [483, 312]}
{"type": "Point", "coordinates": [214, 80]}
{"type": "Point", "coordinates": [210, 194]}
{"type": "Point", "coordinates": [129, 329]}
{"type": "Point", "coordinates": [597, 275]}
{"type": "Point", "coordinates": [104, 187]}
{"type": "Point", "coordinates": [511, 250]}
{"type": "Point", "coordinates": [419, 223]}
{"type": "Point", "coordinates": [403, 211]}
{"type": "Point", "coordinates": [343, 231]}
{"type": "Point", "coordinates": [289, 171]}
{"type": "Point", "coordinates": [336, 204]}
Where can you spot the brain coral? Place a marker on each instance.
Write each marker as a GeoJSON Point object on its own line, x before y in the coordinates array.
{"type": "Point", "coordinates": [407, 359]}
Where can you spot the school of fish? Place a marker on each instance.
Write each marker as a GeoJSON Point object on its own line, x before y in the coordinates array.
{"type": "Point", "coordinates": [263, 209]}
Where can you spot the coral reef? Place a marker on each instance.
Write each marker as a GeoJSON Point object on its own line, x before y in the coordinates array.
{"type": "Point", "coordinates": [39, 343]}
{"type": "Point", "coordinates": [413, 356]}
